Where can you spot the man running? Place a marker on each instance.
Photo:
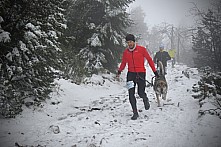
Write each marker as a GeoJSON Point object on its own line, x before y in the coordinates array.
{"type": "Point", "coordinates": [134, 56]}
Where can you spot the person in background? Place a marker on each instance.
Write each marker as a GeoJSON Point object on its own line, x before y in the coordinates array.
{"type": "Point", "coordinates": [134, 57]}
{"type": "Point", "coordinates": [172, 53]}
{"type": "Point", "coordinates": [162, 56]}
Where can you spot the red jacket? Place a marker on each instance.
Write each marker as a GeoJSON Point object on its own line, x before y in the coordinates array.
{"type": "Point", "coordinates": [135, 60]}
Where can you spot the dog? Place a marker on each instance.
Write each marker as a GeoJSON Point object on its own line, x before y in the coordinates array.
{"type": "Point", "coordinates": [160, 84]}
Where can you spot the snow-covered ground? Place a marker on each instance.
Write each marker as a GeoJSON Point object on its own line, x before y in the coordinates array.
{"type": "Point", "coordinates": [98, 115]}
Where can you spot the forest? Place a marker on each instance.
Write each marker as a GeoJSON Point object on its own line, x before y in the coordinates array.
{"type": "Point", "coordinates": [41, 40]}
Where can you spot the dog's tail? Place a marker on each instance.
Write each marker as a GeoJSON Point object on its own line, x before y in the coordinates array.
{"type": "Point", "coordinates": [160, 68]}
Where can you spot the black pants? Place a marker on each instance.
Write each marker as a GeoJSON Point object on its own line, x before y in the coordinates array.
{"type": "Point", "coordinates": [138, 79]}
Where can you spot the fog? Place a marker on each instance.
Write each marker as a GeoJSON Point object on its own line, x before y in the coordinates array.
{"type": "Point", "coordinates": [176, 12]}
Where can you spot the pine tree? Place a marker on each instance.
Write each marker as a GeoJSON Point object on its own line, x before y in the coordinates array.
{"type": "Point", "coordinates": [202, 46]}
{"type": "Point", "coordinates": [207, 41]}
{"type": "Point", "coordinates": [139, 27]}
{"type": "Point", "coordinates": [94, 36]}
{"type": "Point", "coordinates": [155, 38]}
{"type": "Point", "coordinates": [30, 57]}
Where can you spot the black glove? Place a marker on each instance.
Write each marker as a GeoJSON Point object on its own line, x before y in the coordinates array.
{"type": "Point", "coordinates": [156, 74]}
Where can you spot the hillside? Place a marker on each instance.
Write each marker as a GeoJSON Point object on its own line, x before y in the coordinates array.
{"type": "Point", "coordinates": [98, 115]}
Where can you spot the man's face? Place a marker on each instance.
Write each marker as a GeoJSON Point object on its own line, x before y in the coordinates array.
{"type": "Point", "coordinates": [161, 49]}
{"type": "Point", "coordinates": [131, 44]}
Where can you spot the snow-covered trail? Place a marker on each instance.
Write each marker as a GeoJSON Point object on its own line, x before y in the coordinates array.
{"type": "Point", "coordinates": [179, 124]}
{"type": "Point", "coordinates": [99, 116]}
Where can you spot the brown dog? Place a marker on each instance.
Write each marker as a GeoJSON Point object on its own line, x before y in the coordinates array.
{"type": "Point", "coordinates": [160, 84]}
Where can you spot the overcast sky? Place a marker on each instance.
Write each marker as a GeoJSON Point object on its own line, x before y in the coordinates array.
{"type": "Point", "coordinates": [171, 11]}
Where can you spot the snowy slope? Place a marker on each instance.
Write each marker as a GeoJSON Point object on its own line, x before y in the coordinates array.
{"type": "Point", "coordinates": [98, 115]}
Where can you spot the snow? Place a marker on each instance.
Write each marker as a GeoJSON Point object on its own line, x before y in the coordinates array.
{"type": "Point", "coordinates": [4, 36]}
{"type": "Point", "coordinates": [94, 40]}
{"type": "Point", "coordinates": [30, 35]}
{"type": "Point", "coordinates": [98, 114]}
{"type": "Point", "coordinates": [1, 20]}
{"type": "Point", "coordinates": [53, 34]}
